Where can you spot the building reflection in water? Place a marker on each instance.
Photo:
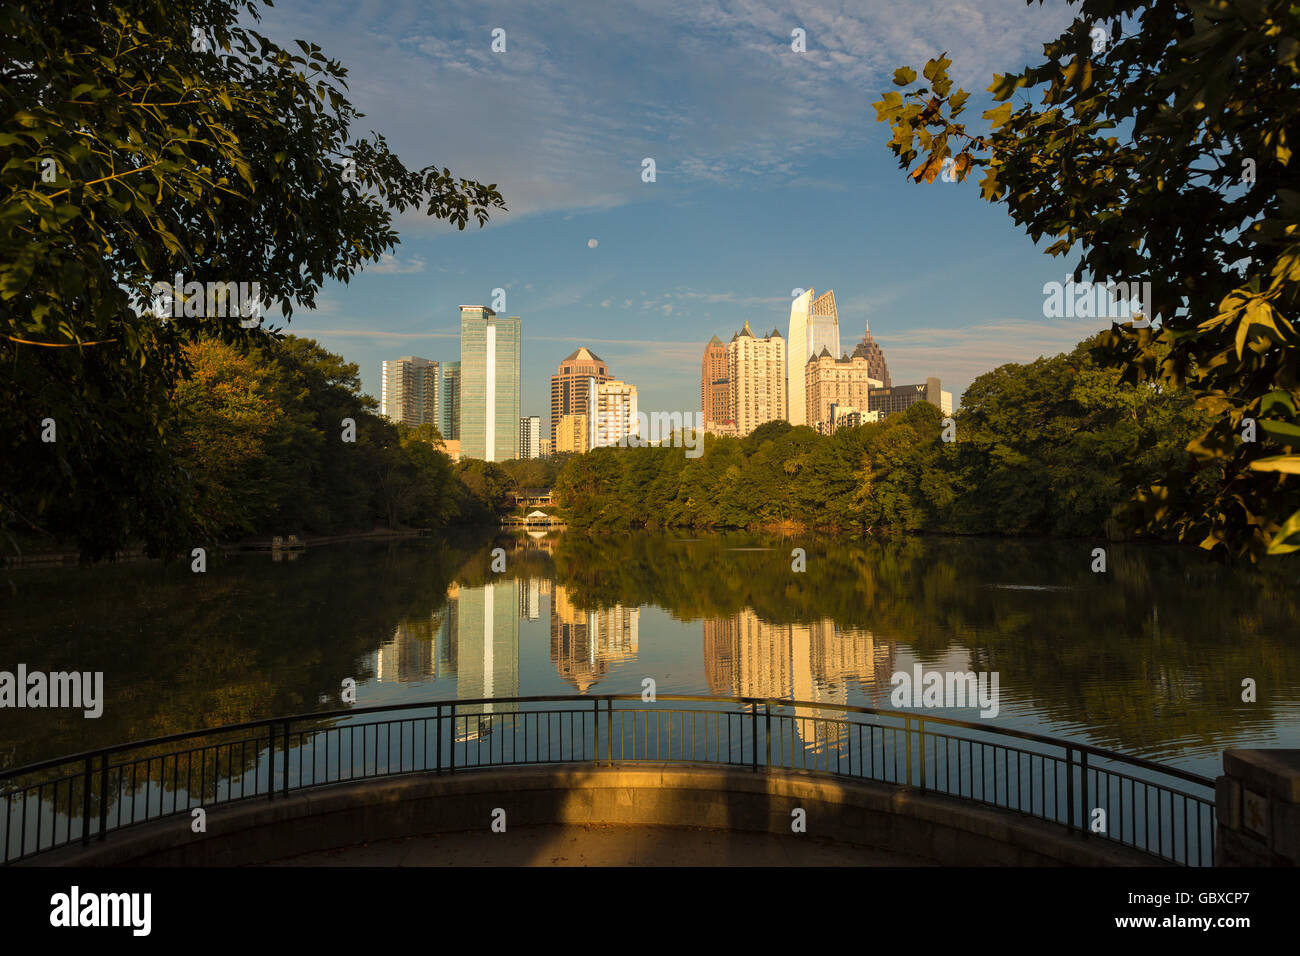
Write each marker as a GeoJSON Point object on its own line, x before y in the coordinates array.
{"type": "Point", "coordinates": [411, 654]}
{"type": "Point", "coordinates": [585, 644]}
{"type": "Point", "coordinates": [747, 657]}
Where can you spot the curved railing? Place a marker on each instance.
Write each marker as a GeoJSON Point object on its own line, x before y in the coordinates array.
{"type": "Point", "coordinates": [1098, 794]}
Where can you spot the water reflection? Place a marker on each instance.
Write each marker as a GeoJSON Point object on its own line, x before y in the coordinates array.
{"type": "Point", "coordinates": [1147, 659]}
{"type": "Point", "coordinates": [585, 644]}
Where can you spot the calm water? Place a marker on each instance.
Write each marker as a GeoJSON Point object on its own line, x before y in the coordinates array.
{"type": "Point", "coordinates": [1148, 658]}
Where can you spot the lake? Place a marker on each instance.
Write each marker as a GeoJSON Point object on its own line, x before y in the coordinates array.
{"type": "Point", "coordinates": [1147, 658]}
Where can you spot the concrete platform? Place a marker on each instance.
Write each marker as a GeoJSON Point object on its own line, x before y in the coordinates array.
{"type": "Point", "coordinates": [605, 845]}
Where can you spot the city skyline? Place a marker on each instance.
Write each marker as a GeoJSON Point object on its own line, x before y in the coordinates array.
{"type": "Point", "coordinates": [800, 187]}
{"type": "Point", "coordinates": [747, 382]}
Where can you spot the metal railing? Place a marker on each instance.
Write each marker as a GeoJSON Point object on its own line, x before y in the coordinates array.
{"type": "Point", "coordinates": [1095, 793]}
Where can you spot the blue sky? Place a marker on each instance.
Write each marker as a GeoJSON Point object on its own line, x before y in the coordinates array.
{"type": "Point", "coordinates": [772, 174]}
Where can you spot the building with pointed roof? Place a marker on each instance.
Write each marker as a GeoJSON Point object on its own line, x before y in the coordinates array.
{"type": "Point", "coordinates": [757, 379]}
{"type": "Point", "coordinates": [571, 382]}
{"type": "Point", "coordinates": [875, 357]}
{"type": "Point", "coordinates": [832, 384]}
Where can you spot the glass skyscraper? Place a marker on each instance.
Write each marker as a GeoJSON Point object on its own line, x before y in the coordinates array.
{"type": "Point", "coordinates": [449, 401]}
{"type": "Point", "coordinates": [489, 384]}
{"type": "Point", "coordinates": [411, 391]}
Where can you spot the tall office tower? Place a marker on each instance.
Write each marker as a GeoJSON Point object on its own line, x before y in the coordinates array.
{"type": "Point", "coordinates": [489, 384]}
{"type": "Point", "coordinates": [572, 434]}
{"type": "Point", "coordinates": [449, 401]}
{"type": "Point", "coordinates": [844, 382]}
{"type": "Point", "coordinates": [756, 369]}
{"type": "Point", "coordinates": [714, 392]}
{"type": "Point", "coordinates": [612, 415]}
{"type": "Point", "coordinates": [875, 357]}
{"type": "Point", "coordinates": [410, 391]}
{"type": "Point", "coordinates": [814, 325]}
{"type": "Point", "coordinates": [570, 382]}
{"type": "Point", "coordinates": [530, 437]}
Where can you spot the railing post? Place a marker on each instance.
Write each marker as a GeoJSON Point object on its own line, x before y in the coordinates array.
{"type": "Point", "coordinates": [103, 795]}
{"type": "Point", "coordinates": [1083, 769]}
{"type": "Point", "coordinates": [907, 742]}
{"type": "Point", "coordinates": [595, 727]}
{"type": "Point", "coordinates": [609, 730]}
{"type": "Point", "coordinates": [920, 726]}
{"type": "Point", "coordinates": [767, 730]}
{"type": "Point", "coordinates": [753, 732]}
{"type": "Point", "coordinates": [286, 757]}
{"type": "Point", "coordinates": [270, 762]}
{"type": "Point", "coordinates": [85, 807]}
{"type": "Point", "coordinates": [437, 744]}
{"type": "Point", "coordinates": [1069, 787]}
{"type": "Point", "coordinates": [451, 761]}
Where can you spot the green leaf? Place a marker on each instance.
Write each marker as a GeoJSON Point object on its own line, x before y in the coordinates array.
{"type": "Point", "coordinates": [904, 75]}
{"type": "Point", "coordinates": [1287, 538]}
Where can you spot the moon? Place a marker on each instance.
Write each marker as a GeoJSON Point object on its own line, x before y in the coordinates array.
{"type": "Point", "coordinates": [591, 243]}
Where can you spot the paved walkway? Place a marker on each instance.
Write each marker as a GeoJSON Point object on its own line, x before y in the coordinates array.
{"type": "Point", "coordinates": [604, 845]}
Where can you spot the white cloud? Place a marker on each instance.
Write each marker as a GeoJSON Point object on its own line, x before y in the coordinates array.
{"type": "Point", "coordinates": [389, 264]}
{"type": "Point", "coordinates": [958, 356]}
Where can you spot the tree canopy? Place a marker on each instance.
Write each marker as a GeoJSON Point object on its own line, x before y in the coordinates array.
{"type": "Point", "coordinates": [146, 139]}
{"type": "Point", "coordinates": [1161, 151]}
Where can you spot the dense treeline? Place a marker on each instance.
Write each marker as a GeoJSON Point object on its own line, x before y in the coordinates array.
{"type": "Point", "coordinates": [257, 439]}
{"type": "Point", "coordinates": [1053, 447]}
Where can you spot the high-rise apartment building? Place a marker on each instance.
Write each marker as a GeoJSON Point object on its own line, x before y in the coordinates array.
{"type": "Point", "coordinates": [571, 434]}
{"type": "Point", "coordinates": [489, 384]}
{"type": "Point", "coordinates": [410, 391]}
{"type": "Point", "coordinates": [611, 417]}
{"type": "Point", "coordinates": [570, 383]}
{"type": "Point", "coordinates": [530, 437]}
{"type": "Point", "coordinates": [844, 382]}
{"type": "Point", "coordinates": [756, 370]}
{"type": "Point", "coordinates": [714, 384]}
{"type": "Point", "coordinates": [814, 325]}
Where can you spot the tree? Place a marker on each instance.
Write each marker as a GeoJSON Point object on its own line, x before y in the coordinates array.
{"type": "Point", "coordinates": [1162, 153]}
{"type": "Point", "coordinates": [146, 141]}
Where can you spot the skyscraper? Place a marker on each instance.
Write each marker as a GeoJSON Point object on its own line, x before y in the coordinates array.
{"type": "Point", "coordinates": [449, 401]}
{"type": "Point", "coordinates": [530, 437]}
{"type": "Point", "coordinates": [489, 384]}
{"type": "Point", "coordinates": [814, 325]}
{"type": "Point", "coordinates": [875, 357]}
{"type": "Point", "coordinates": [756, 369]}
{"type": "Point", "coordinates": [570, 382]}
{"type": "Point", "coordinates": [410, 391]}
{"type": "Point", "coordinates": [714, 383]}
